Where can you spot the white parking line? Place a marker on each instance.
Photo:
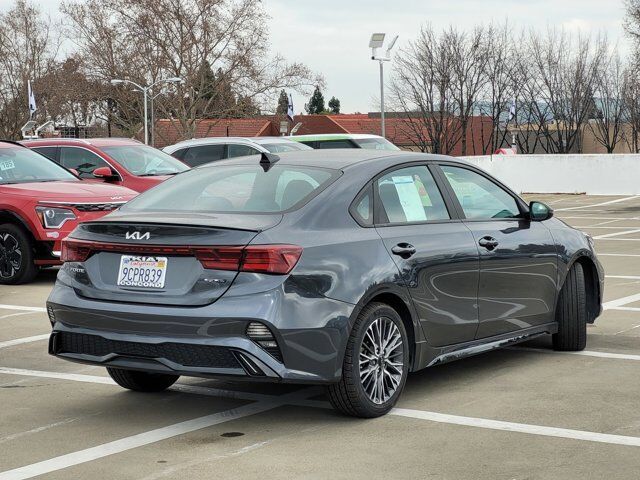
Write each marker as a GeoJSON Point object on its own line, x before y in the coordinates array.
{"type": "Point", "coordinates": [135, 441]}
{"type": "Point", "coordinates": [610, 202]}
{"type": "Point", "coordinates": [295, 398]}
{"type": "Point", "coordinates": [621, 301]}
{"type": "Point", "coordinates": [20, 341]}
{"type": "Point", "coordinates": [624, 277]}
{"type": "Point", "coordinates": [618, 255]}
{"type": "Point", "coordinates": [519, 427]}
{"type": "Point", "coordinates": [22, 308]}
{"type": "Point", "coordinates": [585, 353]}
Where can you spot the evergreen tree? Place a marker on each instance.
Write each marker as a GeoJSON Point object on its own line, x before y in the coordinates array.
{"type": "Point", "coordinates": [283, 103]}
{"type": "Point", "coordinates": [316, 102]}
{"type": "Point", "coordinates": [334, 105]}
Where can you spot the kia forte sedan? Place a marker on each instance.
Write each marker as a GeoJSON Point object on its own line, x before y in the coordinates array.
{"type": "Point", "coordinates": [345, 268]}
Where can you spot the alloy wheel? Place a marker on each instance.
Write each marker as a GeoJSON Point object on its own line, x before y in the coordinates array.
{"type": "Point", "coordinates": [381, 360]}
{"type": "Point", "coordinates": [10, 255]}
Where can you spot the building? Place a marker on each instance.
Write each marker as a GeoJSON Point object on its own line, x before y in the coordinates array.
{"type": "Point", "coordinates": [405, 131]}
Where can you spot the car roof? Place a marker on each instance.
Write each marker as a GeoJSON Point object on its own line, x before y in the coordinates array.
{"type": "Point", "coordinates": [331, 136]}
{"type": "Point", "coordinates": [336, 159]}
{"type": "Point", "coordinates": [270, 140]}
{"type": "Point", "coordinates": [212, 141]}
{"type": "Point", "coordinates": [96, 142]}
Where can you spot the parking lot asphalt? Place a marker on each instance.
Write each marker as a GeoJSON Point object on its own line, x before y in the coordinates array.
{"type": "Point", "coordinates": [520, 413]}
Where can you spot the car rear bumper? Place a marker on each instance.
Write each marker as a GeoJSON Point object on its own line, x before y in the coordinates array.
{"type": "Point", "coordinates": [205, 341]}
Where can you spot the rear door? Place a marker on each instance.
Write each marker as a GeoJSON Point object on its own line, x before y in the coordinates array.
{"type": "Point", "coordinates": [434, 252]}
{"type": "Point", "coordinates": [518, 260]}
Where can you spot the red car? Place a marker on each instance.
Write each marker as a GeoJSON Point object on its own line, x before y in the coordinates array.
{"type": "Point", "coordinates": [40, 204]}
{"type": "Point", "coordinates": [118, 161]}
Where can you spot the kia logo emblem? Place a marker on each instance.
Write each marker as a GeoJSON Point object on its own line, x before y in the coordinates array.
{"type": "Point", "coordinates": [137, 236]}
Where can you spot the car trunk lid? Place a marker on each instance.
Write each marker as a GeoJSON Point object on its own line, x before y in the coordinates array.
{"type": "Point", "coordinates": [189, 265]}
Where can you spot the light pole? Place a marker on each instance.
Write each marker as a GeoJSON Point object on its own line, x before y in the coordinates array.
{"type": "Point", "coordinates": [376, 42]}
{"type": "Point", "coordinates": [145, 93]}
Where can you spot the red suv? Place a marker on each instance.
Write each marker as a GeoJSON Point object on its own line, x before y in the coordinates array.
{"type": "Point", "coordinates": [40, 204]}
{"type": "Point", "coordinates": [119, 161]}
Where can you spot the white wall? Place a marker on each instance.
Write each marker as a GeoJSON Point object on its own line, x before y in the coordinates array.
{"type": "Point", "coordinates": [593, 174]}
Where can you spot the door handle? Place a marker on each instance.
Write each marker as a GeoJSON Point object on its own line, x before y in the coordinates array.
{"type": "Point", "coordinates": [404, 250]}
{"type": "Point", "coordinates": [488, 242]}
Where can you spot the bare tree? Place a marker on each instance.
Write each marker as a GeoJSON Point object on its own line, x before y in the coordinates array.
{"type": "Point", "coordinates": [607, 124]}
{"type": "Point", "coordinates": [565, 73]}
{"type": "Point", "coordinates": [147, 40]}
{"type": "Point", "coordinates": [469, 54]}
{"type": "Point", "coordinates": [29, 47]}
{"type": "Point", "coordinates": [421, 88]}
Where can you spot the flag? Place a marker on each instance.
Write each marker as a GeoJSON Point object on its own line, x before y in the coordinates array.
{"type": "Point", "coordinates": [290, 108]}
{"type": "Point", "coordinates": [32, 99]}
{"type": "Point", "coordinates": [512, 110]}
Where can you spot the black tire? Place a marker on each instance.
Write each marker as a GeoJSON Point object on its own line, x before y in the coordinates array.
{"type": "Point", "coordinates": [571, 313]}
{"type": "Point", "coordinates": [17, 256]}
{"type": "Point", "coordinates": [348, 396]}
{"type": "Point", "coordinates": [142, 381]}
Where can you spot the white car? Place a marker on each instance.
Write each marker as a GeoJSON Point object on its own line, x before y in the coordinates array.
{"type": "Point", "coordinates": [199, 151]}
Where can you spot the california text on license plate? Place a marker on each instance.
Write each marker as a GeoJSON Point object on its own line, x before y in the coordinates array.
{"type": "Point", "coordinates": [148, 272]}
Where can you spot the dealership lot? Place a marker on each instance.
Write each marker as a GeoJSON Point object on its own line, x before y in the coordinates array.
{"type": "Point", "coordinates": [518, 413]}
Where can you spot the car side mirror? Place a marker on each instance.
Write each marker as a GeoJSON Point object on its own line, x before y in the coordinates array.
{"type": "Point", "coordinates": [539, 212]}
{"type": "Point", "coordinates": [103, 172]}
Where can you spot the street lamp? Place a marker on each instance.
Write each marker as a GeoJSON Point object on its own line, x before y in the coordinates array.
{"type": "Point", "coordinates": [376, 42]}
{"type": "Point", "coordinates": [145, 92]}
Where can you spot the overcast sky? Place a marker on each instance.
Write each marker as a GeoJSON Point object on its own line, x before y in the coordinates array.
{"type": "Point", "coordinates": [332, 36]}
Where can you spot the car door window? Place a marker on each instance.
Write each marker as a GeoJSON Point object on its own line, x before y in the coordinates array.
{"type": "Point", "coordinates": [203, 154]}
{"type": "Point", "coordinates": [236, 150]}
{"type": "Point", "coordinates": [479, 197]}
{"type": "Point", "coordinates": [362, 208]}
{"type": "Point", "coordinates": [81, 160]}
{"type": "Point", "coordinates": [49, 152]}
{"type": "Point", "coordinates": [336, 144]}
{"type": "Point", "coordinates": [410, 195]}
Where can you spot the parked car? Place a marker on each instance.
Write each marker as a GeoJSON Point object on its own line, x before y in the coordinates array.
{"type": "Point", "coordinates": [345, 140]}
{"type": "Point", "coordinates": [119, 161]}
{"type": "Point", "coordinates": [346, 268]}
{"type": "Point", "coordinates": [211, 149]}
{"type": "Point", "coordinates": [40, 203]}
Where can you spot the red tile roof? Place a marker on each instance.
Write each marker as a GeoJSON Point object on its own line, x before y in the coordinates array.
{"type": "Point", "coordinates": [169, 132]}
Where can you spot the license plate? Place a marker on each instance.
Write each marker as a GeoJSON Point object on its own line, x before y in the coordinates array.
{"type": "Point", "coordinates": [147, 272]}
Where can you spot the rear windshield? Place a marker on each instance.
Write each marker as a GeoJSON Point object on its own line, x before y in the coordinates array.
{"type": "Point", "coordinates": [236, 188]}
{"type": "Point", "coordinates": [145, 161]}
{"type": "Point", "coordinates": [375, 144]}
{"type": "Point", "coordinates": [285, 147]}
{"type": "Point", "coordinates": [22, 165]}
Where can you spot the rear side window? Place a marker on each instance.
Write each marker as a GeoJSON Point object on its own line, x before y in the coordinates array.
{"type": "Point", "coordinates": [196, 156]}
{"type": "Point", "coordinates": [49, 152]}
{"type": "Point", "coordinates": [336, 144]}
{"type": "Point", "coordinates": [236, 150]}
{"type": "Point", "coordinates": [479, 197]}
{"type": "Point", "coordinates": [410, 195]}
{"type": "Point", "coordinates": [236, 188]}
{"type": "Point", "coordinates": [81, 160]}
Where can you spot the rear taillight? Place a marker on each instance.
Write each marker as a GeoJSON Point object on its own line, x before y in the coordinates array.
{"type": "Point", "coordinates": [273, 259]}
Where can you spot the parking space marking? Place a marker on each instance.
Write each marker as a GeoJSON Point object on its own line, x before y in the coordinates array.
{"type": "Point", "coordinates": [179, 387]}
{"type": "Point", "coordinates": [624, 277]}
{"type": "Point", "coordinates": [139, 440]}
{"type": "Point", "coordinates": [610, 202]}
{"type": "Point", "coordinates": [618, 255]}
{"type": "Point", "coordinates": [519, 427]}
{"type": "Point", "coordinates": [20, 341]}
{"type": "Point", "coordinates": [621, 301]}
{"type": "Point", "coordinates": [585, 353]}
{"type": "Point", "coordinates": [22, 308]}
